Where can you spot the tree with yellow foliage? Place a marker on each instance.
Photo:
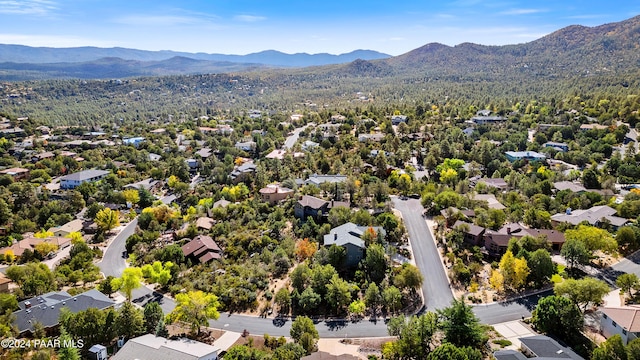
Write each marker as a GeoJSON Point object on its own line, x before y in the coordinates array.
{"type": "Point", "coordinates": [497, 281]}
{"type": "Point", "coordinates": [305, 249]}
{"type": "Point", "coordinates": [131, 196]}
{"type": "Point", "coordinates": [43, 234]}
{"type": "Point", "coordinates": [9, 256]}
{"type": "Point", "coordinates": [107, 219]}
{"type": "Point", "coordinates": [45, 248]}
{"type": "Point", "coordinates": [76, 237]}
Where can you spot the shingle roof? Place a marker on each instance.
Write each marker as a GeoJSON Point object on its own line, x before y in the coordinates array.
{"type": "Point", "coordinates": [546, 347]}
{"type": "Point", "coordinates": [474, 230]}
{"type": "Point", "coordinates": [46, 308]}
{"type": "Point", "coordinates": [568, 185]}
{"type": "Point", "coordinates": [84, 175]}
{"type": "Point", "coordinates": [592, 216]}
{"type": "Point", "coordinates": [628, 316]}
{"type": "Point", "coordinates": [348, 233]}
{"type": "Point", "coordinates": [151, 347]}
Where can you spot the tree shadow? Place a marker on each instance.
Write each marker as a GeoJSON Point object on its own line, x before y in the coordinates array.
{"type": "Point", "coordinates": [335, 325]}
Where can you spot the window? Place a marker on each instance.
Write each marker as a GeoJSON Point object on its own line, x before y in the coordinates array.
{"type": "Point", "coordinates": [605, 316]}
{"type": "Point", "coordinates": [624, 331]}
{"type": "Point", "coordinates": [614, 324]}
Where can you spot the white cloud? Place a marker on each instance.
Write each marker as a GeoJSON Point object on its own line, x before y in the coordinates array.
{"type": "Point", "coordinates": [27, 7]}
{"type": "Point", "coordinates": [521, 11]}
{"type": "Point", "coordinates": [53, 41]}
{"type": "Point", "coordinates": [159, 20]}
{"type": "Point", "coordinates": [249, 18]}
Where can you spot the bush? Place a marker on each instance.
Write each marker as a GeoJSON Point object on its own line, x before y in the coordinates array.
{"type": "Point", "coordinates": [502, 342]}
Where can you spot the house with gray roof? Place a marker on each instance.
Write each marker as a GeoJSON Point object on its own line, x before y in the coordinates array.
{"type": "Point", "coordinates": [525, 155]}
{"type": "Point", "coordinates": [243, 172]}
{"type": "Point", "coordinates": [74, 180]}
{"type": "Point", "coordinates": [311, 206]}
{"type": "Point", "coordinates": [594, 216]}
{"type": "Point", "coordinates": [151, 347]}
{"type": "Point", "coordinates": [569, 185]}
{"type": "Point", "coordinates": [45, 308]}
{"type": "Point", "coordinates": [349, 236]}
{"type": "Point", "coordinates": [316, 179]}
{"type": "Point", "coordinates": [147, 184]}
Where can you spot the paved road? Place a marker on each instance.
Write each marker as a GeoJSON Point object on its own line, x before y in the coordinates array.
{"type": "Point", "coordinates": [293, 138]}
{"type": "Point", "coordinates": [280, 327]}
{"type": "Point", "coordinates": [112, 262]}
{"type": "Point", "coordinates": [435, 288]}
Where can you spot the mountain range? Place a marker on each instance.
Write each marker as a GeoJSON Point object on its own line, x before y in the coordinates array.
{"type": "Point", "coordinates": [571, 51]}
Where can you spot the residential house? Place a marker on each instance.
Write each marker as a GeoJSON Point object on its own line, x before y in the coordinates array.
{"type": "Point", "coordinates": [16, 173]}
{"type": "Point", "coordinates": [154, 157]}
{"type": "Point", "coordinates": [586, 127]}
{"type": "Point", "coordinates": [255, 114]}
{"type": "Point", "coordinates": [496, 242]}
{"type": "Point", "coordinates": [484, 117]}
{"type": "Point", "coordinates": [45, 309]}
{"type": "Point", "coordinates": [243, 172]}
{"type": "Point", "coordinates": [15, 132]}
{"type": "Point", "coordinates": [193, 164]}
{"type": "Point", "coordinates": [246, 145]}
{"type": "Point", "coordinates": [377, 137]}
{"type": "Point", "coordinates": [151, 347]}
{"type": "Point", "coordinates": [146, 184]}
{"type": "Point", "coordinates": [30, 243]}
{"type": "Point", "coordinates": [491, 200]}
{"type": "Point", "coordinates": [317, 208]}
{"type": "Point", "coordinates": [308, 145]}
{"type": "Point", "coordinates": [204, 153]}
{"type": "Point", "coordinates": [135, 141]}
{"type": "Point", "coordinates": [4, 283]}
{"type": "Point", "coordinates": [274, 193]}
{"type": "Point", "coordinates": [349, 236]}
{"type": "Point", "coordinates": [66, 229]}
{"type": "Point", "coordinates": [563, 147]}
{"type": "Point", "coordinates": [623, 321]}
{"type": "Point", "coordinates": [397, 119]}
{"type": "Point", "coordinates": [541, 346]}
{"type": "Point", "coordinates": [595, 216]}
{"type": "Point", "coordinates": [221, 203]}
{"type": "Point", "coordinates": [203, 248]}
{"type": "Point", "coordinates": [525, 155]}
{"type": "Point", "coordinates": [74, 180]}
{"type": "Point", "coordinates": [472, 233]}
{"type": "Point", "coordinates": [316, 179]}
{"type": "Point", "coordinates": [296, 117]}
{"type": "Point", "coordinates": [496, 183]}
{"type": "Point", "coordinates": [204, 223]}
{"type": "Point", "coordinates": [569, 185]}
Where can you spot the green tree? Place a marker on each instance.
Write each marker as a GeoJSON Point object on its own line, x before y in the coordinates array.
{"type": "Point", "coordinates": [559, 316]}
{"type": "Point", "coordinates": [32, 278]}
{"type": "Point", "coordinates": [194, 308]}
{"type": "Point", "coordinates": [582, 292]}
{"type": "Point", "coordinates": [392, 298]}
{"type": "Point", "coordinates": [375, 263]}
{"type": "Point", "coordinates": [309, 300]}
{"type": "Point", "coordinates": [129, 321]}
{"type": "Point", "coordinates": [415, 335]}
{"type": "Point", "coordinates": [302, 330]}
{"type": "Point", "coordinates": [542, 267]}
{"type": "Point", "coordinates": [105, 286]}
{"type": "Point", "coordinates": [372, 297]}
{"type": "Point", "coordinates": [338, 293]}
{"type": "Point", "coordinates": [575, 252]}
{"type": "Point", "coordinates": [67, 352]}
{"type": "Point", "coordinates": [157, 272]}
{"type": "Point", "coordinates": [357, 308]}
{"type": "Point", "coordinates": [628, 282]}
{"type": "Point", "coordinates": [107, 219]}
{"type": "Point", "coordinates": [153, 315]}
{"type": "Point", "coordinates": [131, 279]}
{"type": "Point", "coordinates": [593, 238]}
{"type": "Point", "coordinates": [612, 349]}
{"type": "Point", "coordinates": [448, 351]}
{"type": "Point", "coordinates": [409, 277]}
{"type": "Point", "coordinates": [633, 349]}
{"type": "Point", "coordinates": [283, 300]}
{"type": "Point", "coordinates": [460, 325]}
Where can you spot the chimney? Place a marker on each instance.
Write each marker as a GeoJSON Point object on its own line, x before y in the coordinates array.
{"type": "Point", "coordinates": [509, 230]}
{"type": "Point", "coordinates": [335, 236]}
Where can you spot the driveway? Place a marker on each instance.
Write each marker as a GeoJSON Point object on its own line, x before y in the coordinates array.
{"type": "Point", "coordinates": [293, 138]}
{"type": "Point", "coordinates": [435, 288]}
{"type": "Point", "coordinates": [112, 263]}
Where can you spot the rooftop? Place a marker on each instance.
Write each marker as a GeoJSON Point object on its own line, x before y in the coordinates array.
{"type": "Point", "coordinates": [85, 175]}
{"type": "Point", "coordinates": [158, 348]}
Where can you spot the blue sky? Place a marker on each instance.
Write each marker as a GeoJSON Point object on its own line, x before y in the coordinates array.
{"type": "Point", "coordinates": [333, 26]}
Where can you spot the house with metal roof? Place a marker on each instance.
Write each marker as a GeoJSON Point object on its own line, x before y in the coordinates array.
{"type": "Point", "coordinates": [151, 347]}
{"type": "Point", "coordinates": [45, 309]}
{"type": "Point", "coordinates": [74, 180]}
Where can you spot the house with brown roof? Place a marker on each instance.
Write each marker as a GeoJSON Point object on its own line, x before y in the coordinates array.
{"type": "Point", "coordinates": [623, 321]}
{"type": "Point", "coordinates": [273, 193]}
{"type": "Point", "coordinates": [472, 233]}
{"type": "Point", "coordinates": [4, 283]}
{"type": "Point", "coordinates": [205, 223]}
{"type": "Point", "coordinates": [16, 173]}
{"type": "Point", "coordinates": [496, 242]}
{"type": "Point", "coordinates": [569, 185]}
{"type": "Point", "coordinates": [30, 243]}
{"type": "Point", "coordinates": [203, 248]}
{"type": "Point", "coordinates": [66, 229]}
{"type": "Point", "coordinates": [315, 207]}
